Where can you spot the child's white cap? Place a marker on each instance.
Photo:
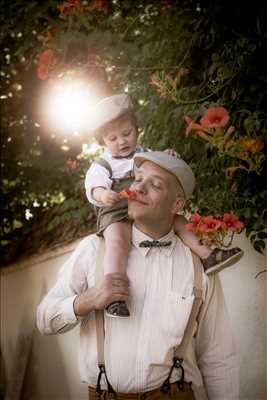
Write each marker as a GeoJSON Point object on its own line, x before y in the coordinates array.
{"type": "Point", "coordinates": [108, 109]}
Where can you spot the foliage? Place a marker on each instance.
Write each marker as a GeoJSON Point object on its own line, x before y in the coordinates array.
{"type": "Point", "coordinates": [175, 58]}
{"type": "Point", "coordinates": [214, 128]}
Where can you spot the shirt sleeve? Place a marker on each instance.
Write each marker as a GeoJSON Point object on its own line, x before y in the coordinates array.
{"type": "Point", "coordinates": [55, 313]}
{"type": "Point", "coordinates": [216, 351]}
{"type": "Point", "coordinates": [96, 176]}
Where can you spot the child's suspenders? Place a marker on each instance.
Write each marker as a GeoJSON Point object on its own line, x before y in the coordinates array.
{"type": "Point", "coordinates": [101, 161]}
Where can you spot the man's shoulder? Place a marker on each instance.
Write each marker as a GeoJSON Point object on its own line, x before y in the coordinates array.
{"type": "Point", "coordinates": [190, 259]}
{"type": "Point", "coordinates": [181, 246]}
{"type": "Point", "coordinates": [92, 239]}
{"type": "Point", "coordinates": [88, 243]}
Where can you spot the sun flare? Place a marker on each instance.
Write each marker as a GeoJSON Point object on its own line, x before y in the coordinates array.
{"type": "Point", "coordinates": [69, 106]}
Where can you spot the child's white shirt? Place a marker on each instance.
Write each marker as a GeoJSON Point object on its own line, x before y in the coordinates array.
{"type": "Point", "coordinates": [98, 176]}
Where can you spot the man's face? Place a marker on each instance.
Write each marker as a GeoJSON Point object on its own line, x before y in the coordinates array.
{"type": "Point", "coordinates": [156, 195]}
{"type": "Point", "coordinates": [121, 138]}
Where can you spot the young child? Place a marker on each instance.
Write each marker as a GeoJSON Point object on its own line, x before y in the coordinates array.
{"type": "Point", "coordinates": [116, 129]}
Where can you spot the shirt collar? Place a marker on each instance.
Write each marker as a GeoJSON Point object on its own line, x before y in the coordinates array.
{"type": "Point", "coordinates": [138, 236]}
{"type": "Point", "coordinates": [138, 149]}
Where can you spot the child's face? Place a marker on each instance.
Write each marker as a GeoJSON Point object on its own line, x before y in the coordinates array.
{"type": "Point", "coordinates": [121, 138]}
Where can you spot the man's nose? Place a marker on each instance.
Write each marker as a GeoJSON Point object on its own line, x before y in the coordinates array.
{"type": "Point", "coordinates": [139, 187]}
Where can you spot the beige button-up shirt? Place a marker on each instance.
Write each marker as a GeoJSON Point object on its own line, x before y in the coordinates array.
{"type": "Point", "coordinates": [139, 349]}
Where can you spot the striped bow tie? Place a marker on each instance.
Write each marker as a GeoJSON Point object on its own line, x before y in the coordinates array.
{"type": "Point", "coordinates": [154, 243]}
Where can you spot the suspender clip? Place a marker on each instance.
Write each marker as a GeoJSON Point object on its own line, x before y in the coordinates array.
{"type": "Point", "coordinates": [177, 362]}
{"type": "Point", "coordinates": [111, 391]}
{"type": "Point", "coordinates": [98, 385]}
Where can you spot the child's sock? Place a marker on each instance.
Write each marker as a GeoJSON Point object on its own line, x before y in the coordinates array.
{"type": "Point", "coordinates": [219, 259]}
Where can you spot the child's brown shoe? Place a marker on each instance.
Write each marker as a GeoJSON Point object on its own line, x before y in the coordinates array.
{"type": "Point", "coordinates": [220, 259]}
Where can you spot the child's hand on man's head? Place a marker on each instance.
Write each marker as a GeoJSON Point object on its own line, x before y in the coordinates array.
{"type": "Point", "coordinates": [109, 197]}
{"type": "Point", "coordinates": [171, 152]}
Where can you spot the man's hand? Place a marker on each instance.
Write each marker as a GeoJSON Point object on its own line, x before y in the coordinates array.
{"type": "Point", "coordinates": [172, 152]}
{"type": "Point", "coordinates": [109, 197]}
{"type": "Point", "coordinates": [113, 287]}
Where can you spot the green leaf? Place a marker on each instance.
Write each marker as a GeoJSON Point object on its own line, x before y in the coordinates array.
{"type": "Point", "coordinates": [17, 224]}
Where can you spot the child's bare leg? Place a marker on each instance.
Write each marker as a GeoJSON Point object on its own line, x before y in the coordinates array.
{"type": "Point", "coordinates": [117, 247]}
{"type": "Point", "coordinates": [189, 238]}
{"type": "Point", "coordinates": [213, 260]}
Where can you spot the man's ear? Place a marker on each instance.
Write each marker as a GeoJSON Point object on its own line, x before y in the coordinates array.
{"type": "Point", "coordinates": [178, 205]}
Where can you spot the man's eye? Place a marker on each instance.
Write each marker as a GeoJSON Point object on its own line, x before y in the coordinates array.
{"type": "Point", "coordinates": [112, 139]}
{"type": "Point", "coordinates": [156, 185]}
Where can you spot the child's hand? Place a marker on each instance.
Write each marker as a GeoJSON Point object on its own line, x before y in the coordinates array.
{"type": "Point", "coordinates": [172, 152]}
{"type": "Point", "coordinates": [109, 197]}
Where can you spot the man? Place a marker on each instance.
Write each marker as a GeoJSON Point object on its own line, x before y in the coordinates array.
{"type": "Point", "coordinates": [139, 350]}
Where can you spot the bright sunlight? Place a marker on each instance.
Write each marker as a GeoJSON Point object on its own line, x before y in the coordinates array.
{"type": "Point", "coordinates": [69, 105]}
